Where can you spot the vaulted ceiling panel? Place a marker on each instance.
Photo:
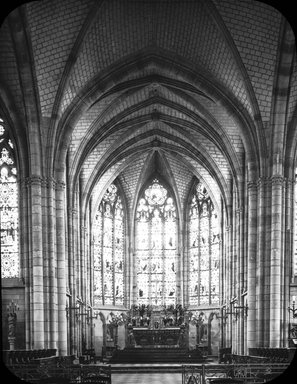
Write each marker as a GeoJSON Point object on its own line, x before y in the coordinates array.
{"type": "Point", "coordinates": [118, 83]}
{"type": "Point", "coordinates": [184, 29]}
{"type": "Point", "coordinates": [53, 36]}
{"type": "Point", "coordinates": [255, 27]}
{"type": "Point", "coordinates": [8, 67]}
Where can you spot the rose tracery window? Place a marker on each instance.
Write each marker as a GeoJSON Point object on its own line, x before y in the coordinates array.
{"type": "Point", "coordinates": [9, 210]}
{"type": "Point", "coordinates": [155, 247]}
{"type": "Point", "coordinates": [204, 249]}
{"type": "Point", "coordinates": [108, 233]}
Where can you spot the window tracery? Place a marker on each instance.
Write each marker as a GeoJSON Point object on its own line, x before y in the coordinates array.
{"type": "Point", "coordinates": [156, 249]}
{"type": "Point", "coordinates": [204, 249]}
{"type": "Point", "coordinates": [108, 234]}
{"type": "Point", "coordinates": [9, 210]}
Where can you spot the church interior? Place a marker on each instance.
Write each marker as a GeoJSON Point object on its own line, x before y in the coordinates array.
{"type": "Point", "coordinates": [148, 199]}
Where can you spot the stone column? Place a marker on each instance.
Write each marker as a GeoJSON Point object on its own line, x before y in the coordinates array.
{"type": "Point", "coordinates": [37, 303]}
{"type": "Point", "coordinates": [83, 255]}
{"type": "Point", "coordinates": [25, 261]}
{"type": "Point", "coordinates": [72, 251]}
{"type": "Point", "coordinates": [52, 266]}
{"type": "Point", "coordinates": [45, 256]}
{"type": "Point", "coordinates": [61, 280]}
{"type": "Point", "coordinates": [240, 273]}
{"type": "Point", "coordinates": [227, 287]}
{"type": "Point", "coordinates": [75, 286]}
{"type": "Point", "coordinates": [260, 264]}
{"type": "Point", "coordinates": [275, 261]}
{"type": "Point", "coordinates": [85, 281]}
{"type": "Point", "coordinates": [288, 256]}
{"type": "Point", "coordinates": [251, 267]}
{"type": "Point", "coordinates": [128, 261]}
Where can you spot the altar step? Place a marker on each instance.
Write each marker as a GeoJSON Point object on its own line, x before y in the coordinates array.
{"type": "Point", "coordinates": [157, 355]}
{"type": "Point", "coordinates": [146, 368]}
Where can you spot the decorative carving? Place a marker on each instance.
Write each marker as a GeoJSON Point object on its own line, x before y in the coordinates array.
{"type": "Point", "coordinates": [158, 337]}
{"type": "Point", "coordinates": [33, 180]}
{"type": "Point", "coordinates": [293, 332]}
{"type": "Point", "coordinates": [11, 309]}
{"type": "Point", "coordinates": [11, 319]}
{"type": "Point", "coordinates": [60, 185]}
{"type": "Point", "coordinates": [278, 180]}
{"type": "Point", "coordinates": [251, 185]}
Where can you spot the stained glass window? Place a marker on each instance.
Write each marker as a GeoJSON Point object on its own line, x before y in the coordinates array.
{"type": "Point", "coordinates": [156, 249]}
{"type": "Point", "coordinates": [204, 249]}
{"type": "Point", "coordinates": [295, 229]}
{"type": "Point", "coordinates": [108, 234]}
{"type": "Point", "coordinates": [8, 207]}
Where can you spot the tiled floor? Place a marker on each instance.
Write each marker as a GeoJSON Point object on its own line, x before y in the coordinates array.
{"type": "Point", "coordinates": [146, 378]}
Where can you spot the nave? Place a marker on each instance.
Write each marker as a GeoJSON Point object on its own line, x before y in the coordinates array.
{"type": "Point", "coordinates": [148, 187]}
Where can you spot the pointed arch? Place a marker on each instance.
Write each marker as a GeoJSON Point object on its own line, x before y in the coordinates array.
{"type": "Point", "coordinates": [108, 231]}
{"type": "Point", "coordinates": [204, 237]}
{"type": "Point", "coordinates": [156, 244]}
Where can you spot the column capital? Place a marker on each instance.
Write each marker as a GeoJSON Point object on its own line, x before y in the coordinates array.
{"type": "Point", "coordinates": [48, 182]}
{"type": "Point", "coordinates": [291, 182]}
{"type": "Point", "coordinates": [60, 185]}
{"type": "Point", "coordinates": [31, 180]}
{"type": "Point", "coordinates": [277, 180]}
{"type": "Point", "coordinates": [252, 184]}
{"type": "Point", "coordinates": [262, 181]}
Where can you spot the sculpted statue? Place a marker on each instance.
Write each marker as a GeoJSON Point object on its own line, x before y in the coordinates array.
{"type": "Point", "coordinates": [11, 324]}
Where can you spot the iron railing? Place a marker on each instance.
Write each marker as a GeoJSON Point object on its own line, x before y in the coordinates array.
{"type": "Point", "coordinates": [73, 374]}
{"type": "Point", "coordinates": [231, 373]}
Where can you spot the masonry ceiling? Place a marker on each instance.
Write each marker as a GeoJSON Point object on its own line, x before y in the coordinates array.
{"type": "Point", "coordinates": [127, 87]}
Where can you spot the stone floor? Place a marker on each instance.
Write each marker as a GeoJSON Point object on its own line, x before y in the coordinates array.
{"type": "Point", "coordinates": [146, 378]}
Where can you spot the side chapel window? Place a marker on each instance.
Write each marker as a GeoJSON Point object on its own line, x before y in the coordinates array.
{"type": "Point", "coordinates": [295, 229]}
{"type": "Point", "coordinates": [108, 234]}
{"type": "Point", "coordinates": [156, 249]}
{"type": "Point", "coordinates": [204, 249]}
{"type": "Point", "coordinates": [9, 210]}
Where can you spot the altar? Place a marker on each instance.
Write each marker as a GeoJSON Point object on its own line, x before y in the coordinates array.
{"type": "Point", "coordinates": [155, 327]}
{"type": "Point", "coordinates": [156, 338]}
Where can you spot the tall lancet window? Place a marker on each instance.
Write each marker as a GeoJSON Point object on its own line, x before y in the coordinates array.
{"type": "Point", "coordinates": [204, 249]}
{"type": "Point", "coordinates": [156, 248]}
{"type": "Point", "coordinates": [295, 229]}
{"type": "Point", "coordinates": [9, 210]}
{"type": "Point", "coordinates": [108, 234]}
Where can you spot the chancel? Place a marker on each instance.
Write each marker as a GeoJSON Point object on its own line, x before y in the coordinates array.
{"type": "Point", "coordinates": [148, 199]}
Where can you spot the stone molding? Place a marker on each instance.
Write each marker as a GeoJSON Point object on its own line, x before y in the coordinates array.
{"type": "Point", "coordinates": [251, 185]}
{"type": "Point", "coordinates": [269, 181]}
{"type": "Point", "coordinates": [277, 180]}
{"type": "Point", "coordinates": [72, 211]}
{"type": "Point", "coordinates": [47, 182]}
